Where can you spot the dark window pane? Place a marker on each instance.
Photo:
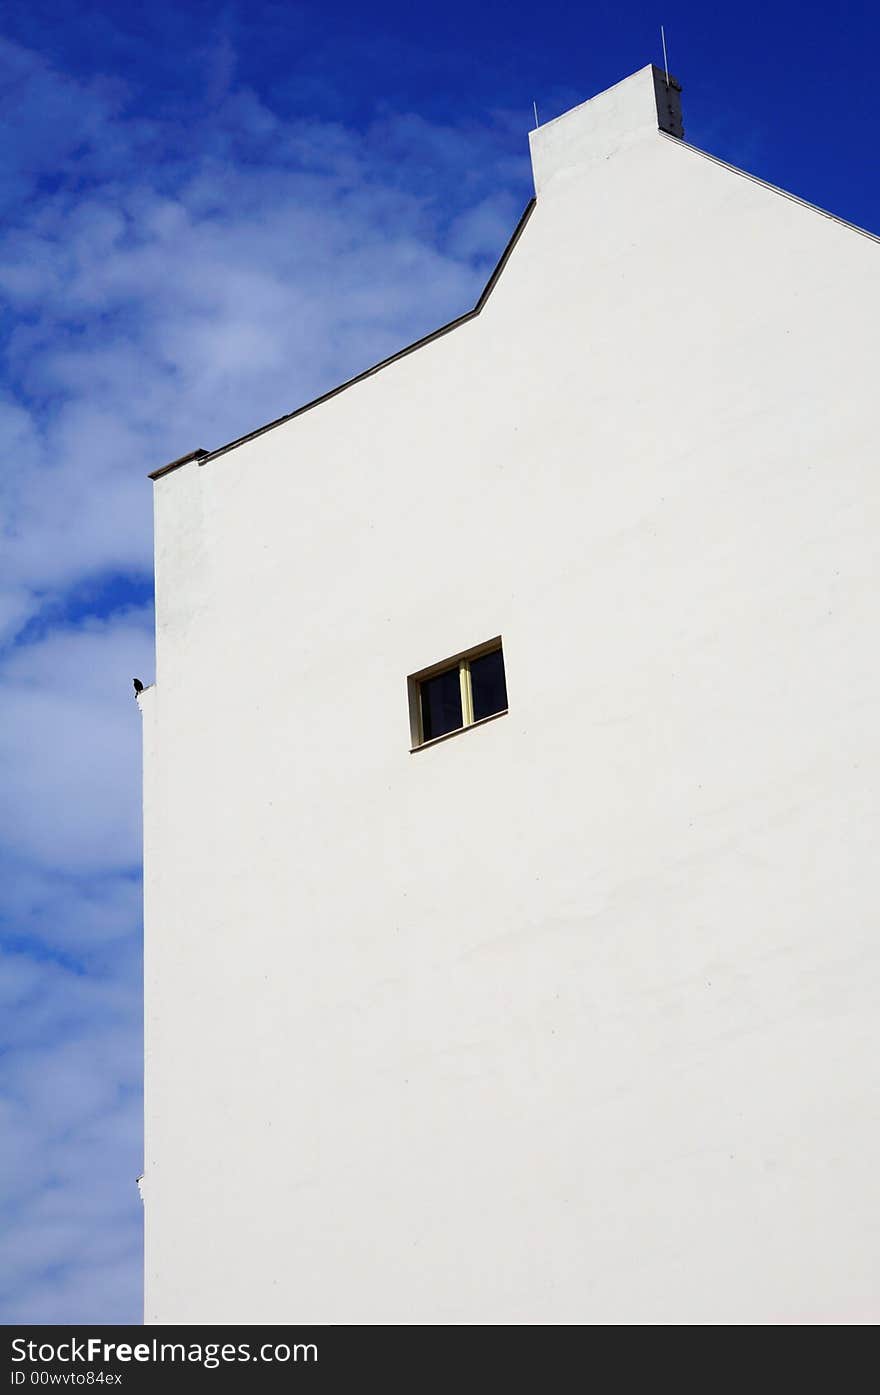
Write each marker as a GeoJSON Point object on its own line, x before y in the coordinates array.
{"type": "Point", "coordinates": [441, 704]}
{"type": "Point", "coordinates": [488, 685]}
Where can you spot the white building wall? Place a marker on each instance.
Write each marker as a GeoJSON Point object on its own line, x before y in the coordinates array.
{"type": "Point", "coordinates": [573, 1017]}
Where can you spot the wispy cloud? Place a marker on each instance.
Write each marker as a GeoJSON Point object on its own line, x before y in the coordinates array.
{"type": "Point", "coordinates": [70, 1011]}
{"type": "Point", "coordinates": [69, 744]}
{"type": "Point", "coordinates": [190, 288]}
{"type": "Point", "coordinates": [167, 284]}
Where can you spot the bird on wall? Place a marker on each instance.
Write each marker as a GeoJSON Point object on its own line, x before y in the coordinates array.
{"type": "Point", "coordinates": [138, 686]}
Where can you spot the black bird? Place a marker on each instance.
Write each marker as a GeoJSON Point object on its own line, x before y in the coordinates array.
{"type": "Point", "coordinates": [138, 686]}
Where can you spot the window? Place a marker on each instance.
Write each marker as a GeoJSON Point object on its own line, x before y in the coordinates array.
{"type": "Point", "coordinates": [457, 693]}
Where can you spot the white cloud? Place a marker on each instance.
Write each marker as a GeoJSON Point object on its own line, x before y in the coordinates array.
{"type": "Point", "coordinates": [480, 231]}
{"type": "Point", "coordinates": [166, 287]}
{"type": "Point", "coordinates": [177, 301]}
{"type": "Point", "coordinates": [70, 1117]}
{"type": "Point", "coordinates": [70, 745]}
{"type": "Point", "coordinates": [69, 913]}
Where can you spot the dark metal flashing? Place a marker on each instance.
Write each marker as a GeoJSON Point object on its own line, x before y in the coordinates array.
{"type": "Point", "coordinates": [774, 188]}
{"type": "Point", "coordinates": [181, 460]}
{"type": "Point", "coordinates": [203, 456]}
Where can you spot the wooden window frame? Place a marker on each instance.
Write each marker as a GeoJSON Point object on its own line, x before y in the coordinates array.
{"type": "Point", "coordinates": [462, 662]}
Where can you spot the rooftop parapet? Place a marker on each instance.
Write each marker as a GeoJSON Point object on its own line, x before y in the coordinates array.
{"type": "Point", "coordinates": [639, 106]}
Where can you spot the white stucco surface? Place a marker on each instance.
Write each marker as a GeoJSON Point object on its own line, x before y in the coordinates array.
{"type": "Point", "coordinates": [573, 1017]}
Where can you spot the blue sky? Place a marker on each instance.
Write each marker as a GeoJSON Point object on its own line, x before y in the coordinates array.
{"type": "Point", "coordinates": [211, 214]}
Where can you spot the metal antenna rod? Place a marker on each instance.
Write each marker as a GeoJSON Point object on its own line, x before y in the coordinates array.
{"type": "Point", "coordinates": [665, 59]}
{"type": "Point", "coordinates": [535, 105]}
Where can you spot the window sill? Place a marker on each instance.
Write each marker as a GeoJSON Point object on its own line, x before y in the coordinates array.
{"type": "Point", "coordinates": [459, 731]}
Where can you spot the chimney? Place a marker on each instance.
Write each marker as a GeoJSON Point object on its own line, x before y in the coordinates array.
{"type": "Point", "coordinates": [630, 111]}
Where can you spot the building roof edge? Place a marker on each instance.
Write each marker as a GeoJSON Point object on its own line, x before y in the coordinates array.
{"type": "Point", "coordinates": [204, 456]}
{"type": "Point", "coordinates": [774, 188]}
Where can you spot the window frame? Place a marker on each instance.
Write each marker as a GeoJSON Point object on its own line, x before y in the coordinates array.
{"type": "Point", "coordinates": [462, 661]}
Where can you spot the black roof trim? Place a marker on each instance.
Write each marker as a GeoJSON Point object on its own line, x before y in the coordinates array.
{"type": "Point", "coordinates": [181, 460]}
{"type": "Point", "coordinates": [203, 456]}
{"type": "Point", "coordinates": [774, 188]}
